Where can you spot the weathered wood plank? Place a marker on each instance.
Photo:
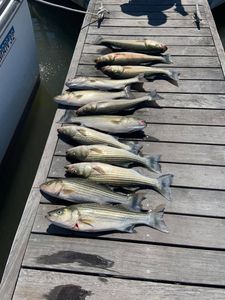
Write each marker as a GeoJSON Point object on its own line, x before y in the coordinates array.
{"type": "Point", "coordinates": [193, 176]}
{"type": "Point", "coordinates": [183, 134]}
{"type": "Point", "coordinates": [168, 40]}
{"type": "Point", "coordinates": [175, 50]}
{"type": "Point", "coordinates": [185, 73]}
{"type": "Point", "coordinates": [156, 2]}
{"type": "Point", "coordinates": [174, 152]}
{"type": "Point", "coordinates": [185, 201]}
{"type": "Point", "coordinates": [183, 230]}
{"type": "Point", "coordinates": [178, 61]}
{"type": "Point", "coordinates": [187, 23]}
{"type": "Point", "coordinates": [39, 284]}
{"type": "Point", "coordinates": [116, 258]}
{"type": "Point", "coordinates": [155, 31]}
{"type": "Point", "coordinates": [156, 17]}
{"type": "Point", "coordinates": [136, 8]}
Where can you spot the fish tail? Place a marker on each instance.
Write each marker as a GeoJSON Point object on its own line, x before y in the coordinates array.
{"type": "Point", "coordinates": [98, 40]}
{"type": "Point", "coordinates": [68, 116]}
{"type": "Point", "coordinates": [128, 93]}
{"type": "Point", "coordinates": [141, 77]}
{"type": "Point", "coordinates": [174, 76]}
{"type": "Point", "coordinates": [163, 186]}
{"type": "Point", "coordinates": [135, 201]}
{"type": "Point", "coordinates": [134, 147]}
{"type": "Point", "coordinates": [156, 219]}
{"type": "Point", "coordinates": [167, 59]}
{"type": "Point", "coordinates": [153, 95]}
{"type": "Point", "coordinates": [152, 162]}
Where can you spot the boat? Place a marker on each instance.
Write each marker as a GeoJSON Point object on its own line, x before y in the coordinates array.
{"type": "Point", "coordinates": [19, 70]}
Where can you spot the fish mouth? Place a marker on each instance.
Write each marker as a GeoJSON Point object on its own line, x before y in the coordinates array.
{"type": "Point", "coordinates": [142, 123]}
{"type": "Point", "coordinates": [164, 48]}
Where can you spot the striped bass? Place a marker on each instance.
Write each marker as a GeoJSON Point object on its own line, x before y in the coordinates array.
{"type": "Point", "coordinates": [117, 176]}
{"type": "Point", "coordinates": [145, 45]}
{"type": "Point", "coordinates": [110, 107]}
{"type": "Point", "coordinates": [106, 154]}
{"type": "Point", "coordinates": [149, 72]}
{"type": "Point", "coordinates": [88, 136]}
{"type": "Point", "coordinates": [92, 217]}
{"type": "Point", "coordinates": [131, 58]}
{"type": "Point", "coordinates": [80, 98]}
{"type": "Point", "coordinates": [104, 84]}
{"type": "Point", "coordinates": [81, 190]}
{"type": "Point", "coordinates": [106, 123]}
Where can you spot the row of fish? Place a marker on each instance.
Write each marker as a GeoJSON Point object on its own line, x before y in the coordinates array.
{"type": "Point", "coordinates": [100, 162]}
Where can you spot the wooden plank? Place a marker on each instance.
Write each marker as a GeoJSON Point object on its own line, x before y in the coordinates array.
{"type": "Point", "coordinates": [156, 2]}
{"type": "Point", "coordinates": [38, 284]}
{"type": "Point", "coordinates": [175, 50]}
{"type": "Point", "coordinates": [193, 176]}
{"type": "Point", "coordinates": [178, 61]}
{"type": "Point", "coordinates": [174, 152]}
{"type": "Point", "coordinates": [136, 8]}
{"type": "Point", "coordinates": [155, 31]}
{"type": "Point", "coordinates": [187, 23]}
{"type": "Point", "coordinates": [185, 201]}
{"type": "Point", "coordinates": [123, 259]}
{"type": "Point", "coordinates": [168, 40]}
{"type": "Point", "coordinates": [183, 134]}
{"type": "Point", "coordinates": [183, 230]}
{"type": "Point", "coordinates": [185, 73]}
{"type": "Point", "coordinates": [156, 17]}
{"type": "Point", "coordinates": [213, 101]}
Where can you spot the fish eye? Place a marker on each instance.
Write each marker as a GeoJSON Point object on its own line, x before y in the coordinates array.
{"type": "Point", "coordinates": [59, 212]}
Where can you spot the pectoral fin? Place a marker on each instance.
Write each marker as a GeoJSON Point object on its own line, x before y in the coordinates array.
{"type": "Point", "coordinates": [82, 131]}
{"type": "Point", "coordinates": [98, 170]}
{"type": "Point", "coordinates": [86, 221]}
{"type": "Point", "coordinates": [96, 150]}
{"type": "Point", "coordinates": [129, 229]}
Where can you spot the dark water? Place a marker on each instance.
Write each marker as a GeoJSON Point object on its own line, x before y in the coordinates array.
{"type": "Point", "coordinates": [56, 32]}
{"type": "Point", "coordinates": [218, 14]}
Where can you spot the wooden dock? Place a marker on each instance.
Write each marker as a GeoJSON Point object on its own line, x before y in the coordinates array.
{"type": "Point", "coordinates": [189, 132]}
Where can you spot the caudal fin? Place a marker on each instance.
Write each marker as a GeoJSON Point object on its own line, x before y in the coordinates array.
{"type": "Point", "coordinates": [163, 186]}
{"type": "Point", "coordinates": [153, 95]}
{"type": "Point", "coordinates": [68, 117]}
{"type": "Point", "coordinates": [98, 40]}
{"type": "Point", "coordinates": [128, 93]}
{"type": "Point", "coordinates": [167, 59]}
{"type": "Point", "coordinates": [156, 219]}
{"type": "Point", "coordinates": [134, 147]}
{"type": "Point", "coordinates": [174, 77]}
{"type": "Point", "coordinates": [135, 200]}
{"type": "Point", "coordinates": [152, 163]}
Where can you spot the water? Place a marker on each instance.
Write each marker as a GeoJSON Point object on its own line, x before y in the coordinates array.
{"type": "Point", "coordinates": [56, 32]}
{"type": "Point", "coordinates": [218, 14]}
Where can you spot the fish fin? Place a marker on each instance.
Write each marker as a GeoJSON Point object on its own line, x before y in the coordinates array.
{"type": "Point", "coordinates": [96, 150]}
{"type": "Point", "coordinates": [68, 117]}
{"type": "Point", "coordinates": [135, 201]}
{"type": "Point", "coordinates": [168, 59]}
{"type": "Point", "coordinates": [174, 77]}
{"type": "Point", "coordinates": [141, 77]}
{"type": "Point", "coordinates": [129, 229]}
{"type": "Point", "coordinates": [163, 186]}
{"type": "Point", "coordinates": [156, 219]}
{"type": "Point", "coordinates": [86, 221]}
{"type": "Point", "coordinates": [116, 121]}
{"type": "Point", "coordinates": [67, 191]}
{"type": "Point", "coordinates": [128, 93]}
{"type": "Point", "coordinates": [152, 162]}
{"type": "Point", "coordinates": [135, 147]}
{"type": "Point", "coordinates": [82, 131]}
{"type": "Point", "coordinates": [98, 169]}
{"type": "Point", "coordinates": [153, 95]}
{"type": "Point", "coordinates": [98, 40]}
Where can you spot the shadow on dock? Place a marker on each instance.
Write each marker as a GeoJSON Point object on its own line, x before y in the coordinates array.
{"type": "Point", "coordinates": [155, 18]}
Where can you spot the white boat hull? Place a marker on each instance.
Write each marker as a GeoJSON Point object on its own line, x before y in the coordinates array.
{"type": "Point", "coordinates": [19, 69]}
